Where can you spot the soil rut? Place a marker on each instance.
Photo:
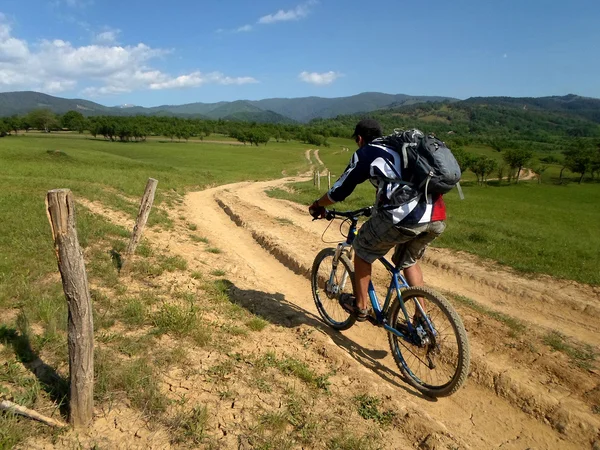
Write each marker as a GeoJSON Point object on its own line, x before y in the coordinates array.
{"type": "Point", "coordinates": [515, 398]}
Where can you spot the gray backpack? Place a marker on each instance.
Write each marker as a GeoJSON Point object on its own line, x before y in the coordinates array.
{"type": "Point", "coordinates": [430, 164]}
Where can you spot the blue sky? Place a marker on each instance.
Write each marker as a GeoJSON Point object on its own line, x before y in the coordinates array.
{"type": "Point", "coordinates": [151, 52]}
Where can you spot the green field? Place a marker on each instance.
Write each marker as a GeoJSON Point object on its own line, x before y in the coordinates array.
{"type": "Point", "coordinates": [100, 170]}
{"type": "Point", "coordinates": [535, 228]}
{"type": "Point", "coordinates": [544, 228]}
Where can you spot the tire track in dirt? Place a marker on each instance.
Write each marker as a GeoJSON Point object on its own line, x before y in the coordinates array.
{"type": "Point", "coordinates": [483, 414]}
{"type": "Point", "coordinates": [565, 306]}
{"type": "Point", "coordinates": [498, 374]}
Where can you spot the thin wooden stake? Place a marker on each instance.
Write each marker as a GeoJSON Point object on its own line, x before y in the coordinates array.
{"type": "Point", "coordinates": [318, 180]}
{"type": "Point", "coordinates": [140, 223]}
{"type": "Point", "coordinates": [18, 409]}
{"type": "Point", "coordinates": [328, 180]}
{"type": "Point", "coordinates": [60, 208]}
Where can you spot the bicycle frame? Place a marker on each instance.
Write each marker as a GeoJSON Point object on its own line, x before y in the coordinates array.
{"type": "Point", "coordinates": [397, 283]}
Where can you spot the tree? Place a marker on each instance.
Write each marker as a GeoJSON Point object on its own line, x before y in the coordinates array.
{"type": "Point", "coordinates": [43, 119]}
{"type": "Point", "coordinates": [500, 171]}
{"type": "Point", "coordinates": [482, 167]}
{"type": "Point", "coordinates": [595, 164]}
{"type": "Point", "coordinates": [516, 159]}
{"type": "Point", "coordinates": [4, 128]}
{"type": "Point", "coordinates": [464, 158]}
{"type": "Point", "coordinates": [74, 120]}
{"type": "Point", "coordinates": [258, 136]}
{"type": "Point", "coordinates": [14, 123]}
{"type": "Point", "coordinates": [539, 171]}
{"type": "Point", "coordinates": [579, 158]}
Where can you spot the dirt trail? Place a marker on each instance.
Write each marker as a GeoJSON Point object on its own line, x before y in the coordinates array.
{"type": "Point", "coordinates": [515, 398]}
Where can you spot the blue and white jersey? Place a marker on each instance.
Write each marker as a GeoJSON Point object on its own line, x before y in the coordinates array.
{"type": "Point", "coordinates": [383, 167]}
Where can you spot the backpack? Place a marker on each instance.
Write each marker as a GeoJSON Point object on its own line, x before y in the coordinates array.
{"type": "Point", "coordinates": [430, 163]}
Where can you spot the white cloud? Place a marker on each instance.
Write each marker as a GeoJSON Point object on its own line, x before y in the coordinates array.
{"type": "Point", "coordinates": [196, 79]}
{"type": "Point", "coordinates": [56, 86]}
{"type": "Point", "coordinates": [108, 37]}
{"type": "Point", "coordinates": [319, 79]}
{"type": "Point", "coordinates": [244, 29]}
{"type": "Point", "coordinates": [297, 13]}
{"type": "Point", "coordinates": [103, 68]}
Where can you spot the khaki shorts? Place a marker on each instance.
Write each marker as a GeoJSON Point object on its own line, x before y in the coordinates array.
{"type": "Point", "coordinates": [378, 235]}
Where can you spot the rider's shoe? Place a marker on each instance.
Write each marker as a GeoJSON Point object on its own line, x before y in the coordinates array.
{"type": "Point", "coordinates": [348, 302]}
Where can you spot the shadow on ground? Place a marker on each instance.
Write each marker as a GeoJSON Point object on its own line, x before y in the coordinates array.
{"type": "Point", "coordinates": [55, 385]}
{"type": "Point", "coordinates": [277, 310]}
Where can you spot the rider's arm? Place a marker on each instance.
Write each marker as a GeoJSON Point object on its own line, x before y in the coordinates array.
{"type": "Point", "coordinates": [357, 172]}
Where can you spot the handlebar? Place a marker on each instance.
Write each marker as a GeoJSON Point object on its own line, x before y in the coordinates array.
{"type": "Point", "coordinates": [353, 215]}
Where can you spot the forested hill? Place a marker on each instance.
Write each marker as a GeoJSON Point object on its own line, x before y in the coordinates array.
{"type": "Point", "coordinates": [586, 107]}
{"type": "Point", "coordinates": [543, 120]}
{"type": "Point", "coordinates": [274, 110]}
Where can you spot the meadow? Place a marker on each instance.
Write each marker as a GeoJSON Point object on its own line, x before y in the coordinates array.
{"type": "Point", "coordinates": [547, 227]}
{"type": "Point", "coordinates": [532, 227]}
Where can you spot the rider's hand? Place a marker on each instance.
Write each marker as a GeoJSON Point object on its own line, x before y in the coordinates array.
{"type": "Point", "coordinates": [316, 211]}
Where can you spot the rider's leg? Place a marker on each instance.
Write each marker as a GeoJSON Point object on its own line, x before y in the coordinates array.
{"type": "Point", "coordinates": [362, 277]}
{"type": "Point", "coordinates": [414, 275]}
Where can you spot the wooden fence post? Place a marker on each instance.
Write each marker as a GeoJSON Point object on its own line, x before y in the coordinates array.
{"type": "Point", "coordinates": [328, 180]}
{"type": "Point", "coordinates": [60, 208]}
{"type": "Point", "coordinates": [318, 180]}
{"type": "Point", "coordinates": [140, 223]}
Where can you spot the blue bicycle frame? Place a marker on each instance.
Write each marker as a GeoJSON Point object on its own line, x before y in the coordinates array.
{"type": "Point", "coordinates": [397, 283]}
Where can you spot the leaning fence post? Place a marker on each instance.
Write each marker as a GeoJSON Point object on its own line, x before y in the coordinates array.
{"type": "Point", "coordinates": [60, 208]}
{"type": "Point", "coordinates": [140, 223]}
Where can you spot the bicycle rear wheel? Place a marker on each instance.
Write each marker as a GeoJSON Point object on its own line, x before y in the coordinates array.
{"type": "Point", "coordinates": [327, 285]}
{"type": "Point", "coordinates": [436, 362]}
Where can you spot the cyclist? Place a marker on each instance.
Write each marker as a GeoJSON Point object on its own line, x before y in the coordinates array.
{"type": "Point", "coordinates": [402, 216]}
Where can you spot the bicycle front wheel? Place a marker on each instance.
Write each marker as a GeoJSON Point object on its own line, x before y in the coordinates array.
{"type": "Point", "coordinates": [327, 285]}
{"type": "Point", "coordinates": [435, 358]}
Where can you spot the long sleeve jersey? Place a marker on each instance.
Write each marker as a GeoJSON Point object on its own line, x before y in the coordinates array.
{"type": "Point", "coordinates": [382, 166]}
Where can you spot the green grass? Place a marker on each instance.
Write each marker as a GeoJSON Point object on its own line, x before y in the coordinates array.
{"type": "Point", "coordinates": [190, 426]}
{"type": "Point", "coordinates": [368, 408]}
{"type": "Point", "coordinates": [257, 324]}
{"type": "Point", "coordinates": [218, 273]}
{"type": "Point", "coordinates": [115, 175]}
{"type": "Point", "coordinates": [132, 311]}
{"type": "Point", "coordinates": [295, 367]}
{"type": "Point", "coordinates": [136, 378]}
{"type": "Point", "coordinates": [533, 228]}
{"type": "Point", "coordinates": [583, 356]}
{"type": "Point", "coordinates": [176, 320]}
{"type": "Point", "coordinates": [515, 325]}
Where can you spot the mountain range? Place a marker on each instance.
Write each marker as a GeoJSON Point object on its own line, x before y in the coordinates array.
{"type": "Point", "coordinates": [289, 110]}
{"type": "Point", "coordinates": [274, 110]}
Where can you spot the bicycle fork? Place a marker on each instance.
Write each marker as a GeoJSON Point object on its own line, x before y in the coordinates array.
{"type": "Point", "coordinates": [333, 288]}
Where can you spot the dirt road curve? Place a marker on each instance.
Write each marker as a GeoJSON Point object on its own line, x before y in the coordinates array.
{"type": "Point", "coordinates": [520, 394]}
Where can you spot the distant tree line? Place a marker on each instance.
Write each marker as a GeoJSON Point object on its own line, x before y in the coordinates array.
{"type": "Point", "coordinates": [138, 128]}
{"type": "Point", "coordinates": [517, 134]}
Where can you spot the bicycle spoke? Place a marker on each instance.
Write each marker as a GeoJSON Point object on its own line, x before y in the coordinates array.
{"type": "Point", "coordinates": [328, 285]}
{"type": "Point", "coordinates": [437, 364]}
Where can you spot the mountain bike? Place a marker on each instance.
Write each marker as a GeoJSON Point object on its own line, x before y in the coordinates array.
{"type": "Point", "coordinates": [426, 335]}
